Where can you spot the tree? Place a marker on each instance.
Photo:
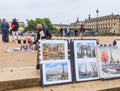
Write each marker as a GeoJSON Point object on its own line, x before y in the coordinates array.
{"type": "Point", "coordinates": [45, 21]}
{"type": "Point", "coordinates": [31, 25]}
{"type": "Point", "coordinates": [48, 23]}
{"type": "Point", "coordinates": [39, 20]}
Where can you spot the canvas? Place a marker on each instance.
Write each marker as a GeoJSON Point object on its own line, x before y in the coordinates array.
{"type": "Point", "coordinates": [84, 49]}
{"type": "Point", "coordinates": [56, 72]}
{"type": "Point", "coordinates": [109, 61]}
{"type": "Point", "coordinates": [86, 65]}
{"type": "Point", "coordinates": [53, 50]}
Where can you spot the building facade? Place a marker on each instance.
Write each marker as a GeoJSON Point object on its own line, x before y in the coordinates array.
{"type": "Point", "coordinates": [106, 24]}
{"type": "Point", "coordinates": [73, 25]}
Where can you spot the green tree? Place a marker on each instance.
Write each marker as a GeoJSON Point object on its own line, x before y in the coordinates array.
{"type": "Point", "coordinates": [31, 25]}
{"type": "Point", "coordinates": [48, 23]}
{"type": "Point", "coordinates": [39, 20]}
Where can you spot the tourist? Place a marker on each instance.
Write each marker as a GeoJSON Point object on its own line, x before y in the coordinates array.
{"type": "Point", "coordinates": [65, 32]}
{"type": "Point", "coordinates": [61, 32]}
{"type": "Point", "coordinates": [14, 28]}
{"type": "Point", "coordinates": [5, 30]}
{"type": "Point", "coordinates": [42, 33]}
{"type": "Point", "coordinates": [68, 32]}
{"type": "Point", "coordinates": [75, 32]}
{"type": "Point", "coordinates": [81, 31]}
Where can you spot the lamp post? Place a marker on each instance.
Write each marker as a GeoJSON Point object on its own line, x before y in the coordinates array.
{"type": "Point", "coordinates": [27, 24]}
{"type": "Point", "coordinates": [97, 11]}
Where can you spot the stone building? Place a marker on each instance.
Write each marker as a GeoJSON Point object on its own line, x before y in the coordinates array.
{"type": "Point", "coordinates": [76, 24]}
{"type": "Point", "coordinates": [106, 24]}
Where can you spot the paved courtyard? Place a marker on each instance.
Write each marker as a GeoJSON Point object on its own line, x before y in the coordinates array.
{"type": "Point", "coordinates": [19, 61]}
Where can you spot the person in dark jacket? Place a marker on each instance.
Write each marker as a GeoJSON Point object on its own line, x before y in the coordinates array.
{"type": "Point", "coordinates": [14, 29]}
{"type": "Point", "coordinates": [75, 32]}
{"type": "Point", "coordinates": [42, 33]}
{"type": "Point", "coordinates": [61, 32]}
{"type": "Point", "coordinates": [5, 30]}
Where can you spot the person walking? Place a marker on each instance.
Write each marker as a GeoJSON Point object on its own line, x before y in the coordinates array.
{"type": "Point", "coordinates": [42, 33]}
{"type": "Point", "coordinates": [75, 32]}
{"type": "Point", "coordinates": [14, 28]}
{"type": "Point", "coordinates": [81, 31]}
{"type": "Point", "coordinates": [61, 32]}
{"type": "Point", "coordinates": [5, 30]}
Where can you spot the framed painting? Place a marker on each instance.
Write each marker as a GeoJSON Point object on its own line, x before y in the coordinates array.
{"type": "Point", "coordinates": [86, 71]}
{"type": "Point", "coordinates": [84, 49]}
{"type": "Point", "coordinates": [86, 64]}
{"type": "Point", "coordinates": [53, 50]}
{"type": "Point", "coordinates": [57, 72]}
{"type": "Point", "coordinates": [109, 61]}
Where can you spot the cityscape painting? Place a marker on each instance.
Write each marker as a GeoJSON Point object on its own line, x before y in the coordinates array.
{"type": "Point", "coordinates": [57, 72]}
{"type": "Point", "coordinates": [109, 61]}
{"type": "Point", "coordinates": [87, 71]}
{"type": "Point", "coordinates": [86, 64]}
{"type": "Point", "coordinates": [84, 48]}
{"type": "Point", "coordinates": [53, 50]}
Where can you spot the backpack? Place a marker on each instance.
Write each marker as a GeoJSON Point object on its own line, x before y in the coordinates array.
{"type": "Point", "coordinates": [48, 34]}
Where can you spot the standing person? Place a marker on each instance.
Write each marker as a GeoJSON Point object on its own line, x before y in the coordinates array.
{"type": "Point", "coordinates": [61, 32]}
{"type": "Point", "coordinates": [65, 31]}
{"type": "Point", "coordinates": [75, 32]}
{"type": "Point", "coordinates": [42, 33]}
{"type": "Point", "coordinates": [68, 32]}
{"type": "Point", "coordinates": [5, 30]}
{"type": "Point", "coordinates": [81, 31]}
{"type": "Point", "coordinates": [14, 28]}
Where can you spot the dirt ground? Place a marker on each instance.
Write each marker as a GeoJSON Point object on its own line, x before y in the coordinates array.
{"type": "Point", "coordinates": [15, 59]}
{"type": "Point", "coordinates": [26, 59]}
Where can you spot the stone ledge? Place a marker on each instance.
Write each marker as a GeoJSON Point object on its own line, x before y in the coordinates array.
{"type": "Point", "coordinates": [17, 84]}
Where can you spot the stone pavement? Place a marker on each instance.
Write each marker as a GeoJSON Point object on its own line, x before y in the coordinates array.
{"type": "Point", "coordinates": [19, 68]}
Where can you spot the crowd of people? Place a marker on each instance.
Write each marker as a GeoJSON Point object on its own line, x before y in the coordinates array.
{"type": "Point", "coordinates": [6, 29]}
{"type": "Point", "coordinates": [67, 32]}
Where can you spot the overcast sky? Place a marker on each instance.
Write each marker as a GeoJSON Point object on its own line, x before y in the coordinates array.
{"type": "Point", "coordinates": [59, 11]}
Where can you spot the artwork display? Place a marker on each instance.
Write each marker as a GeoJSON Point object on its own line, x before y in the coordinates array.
{"type": "Point", "coordinates": [109, 61]}
{"type": "Point", "coordinates": [53, 50]}
{"type": "Point", "coordinates": [85, 49]}
{"type": "Point", "coordinates": [86, 64]}
{"type": "Point", "coordinates": [56, 72]}
{"type": "Point", "coordinates": [86, 71]}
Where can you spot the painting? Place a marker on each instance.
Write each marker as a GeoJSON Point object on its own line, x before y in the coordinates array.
{"type": "Point", "coordinates": [109, 61]}
{"type": "Point", "coordinates": [86, 71]}
{"type": "Point", "coordinates": [53, 50]}
{"type": "Point", "coordinates": [84, 49]}
{"type": "Point", "coordinates": [56, 72]}
{"type": "Point", "coordinates": [86, 65]}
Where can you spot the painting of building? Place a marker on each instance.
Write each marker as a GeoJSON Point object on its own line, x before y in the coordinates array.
{"type": "Point", "coordinates": [53, 50]}
{"type": "Point", "coordinates": [109, 60]}
{"type": "Point", "coordinates": [85, 48]}
{"type": "Point", "coordinates": [56, 72]}
{"type": "Point", "coordinates": [86, 64]}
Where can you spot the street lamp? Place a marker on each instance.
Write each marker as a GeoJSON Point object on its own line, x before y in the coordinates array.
{"type": "Point", "coordinates": [27, 24]}
{"type": "Point", "coordinates": [97, 11]}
